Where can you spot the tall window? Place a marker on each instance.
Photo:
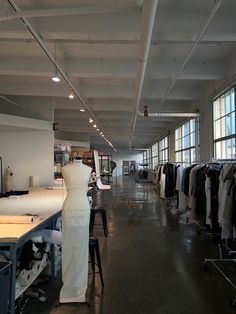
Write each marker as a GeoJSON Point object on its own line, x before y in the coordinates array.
{"type": "Point", "coordinates": [164, 149]}
{"type": "Point", "coordinates": [154, 154]}
{"type": "Point", "coordinates": [185, 137]}
{"type": "Point", "coordinates": [145, 157]}
{"type": "Point", "coordinates": [224, 125]}
{"type": "Point", "coordinates": [149, 157]}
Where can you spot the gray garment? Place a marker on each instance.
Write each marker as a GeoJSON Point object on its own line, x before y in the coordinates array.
{"type": "Point", "coordinates": [225, 194]}
{"type": "Point", "coordinates": [208, 200]}
{"type": "Point", "coordinates": [182, 201]}
{"type": "Point", "coordinates": [192, 189]}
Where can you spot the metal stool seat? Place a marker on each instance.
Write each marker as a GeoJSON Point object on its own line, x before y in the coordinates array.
{"type": "Point", "coordinates": [102, 212]}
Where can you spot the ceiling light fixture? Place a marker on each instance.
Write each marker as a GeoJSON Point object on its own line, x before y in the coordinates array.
{"type": "Point", "coordinates": [82, 109]}
{"type": "Point", "coordinates": [71, 95]}
{"type": "Point", "coordinates": [103, 135]}
{"type": "Point", "coordinates": [56, 77]}
{"type": "Point", "coordinates": [95, 125]}
{"type": "Point", "coordinates": [90, 120]}
{"type": "Point", "coordinates": [97, 130]}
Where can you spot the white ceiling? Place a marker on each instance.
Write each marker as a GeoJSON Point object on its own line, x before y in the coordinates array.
{"type": "Point", "coordinates": [98, 53]}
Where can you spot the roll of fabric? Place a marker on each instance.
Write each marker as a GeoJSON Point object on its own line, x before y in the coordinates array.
{"type": "Point", "coordinates": [44, 260]}
{"type": "Point", "coordinates": [24, 277]}
{"type": "Point", "coordinates": [36, 267]}
{"type": "Point", "coordinates": [7, 219]}
{"type": "Point", "coordinates": [33, 181]}
{"type": "Point", "coordinates": [17, 288]}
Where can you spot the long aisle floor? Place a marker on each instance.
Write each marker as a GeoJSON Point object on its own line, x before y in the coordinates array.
{"type": "Point", "coordinates": [152, 264]}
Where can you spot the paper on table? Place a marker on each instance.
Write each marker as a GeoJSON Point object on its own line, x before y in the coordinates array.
{"type": "Point", "coordinates": [4, 219]}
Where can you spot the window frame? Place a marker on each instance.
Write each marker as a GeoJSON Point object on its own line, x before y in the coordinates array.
{"type": "Point", "coordinates": [225, 138]}
{"type": "Point", "coordinates": [192, 147]}
{"type": "Point", "coordinates": [154, 152]}
{"type": "Point", "coordinates": [165, 149]}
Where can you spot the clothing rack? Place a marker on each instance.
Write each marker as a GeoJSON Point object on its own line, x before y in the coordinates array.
{"type": "Point", "coordinates": [229, 254]}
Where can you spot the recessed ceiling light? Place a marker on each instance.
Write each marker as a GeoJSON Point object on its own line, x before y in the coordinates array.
{"type": "Point", "coordinates": [95, 125]}
{"type": "Point", "coordinates": [90, 120]}
{"type": "Point", "coordinates": [82, 109]}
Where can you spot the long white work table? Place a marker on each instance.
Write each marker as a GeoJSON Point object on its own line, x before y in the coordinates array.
{"type": "Point", "coordinates": [46, 204]}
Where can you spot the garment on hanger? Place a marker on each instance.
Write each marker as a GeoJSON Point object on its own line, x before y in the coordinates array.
{"type": "Point", "coordinates": [225, 195]}
{"type": "Point", "coordinates": [208, 200]}
{"type": "Point", "coordinates": [75, 233]}
{"type": "Point", "coordinates": [192, 189]}
{"type": "Point", "coordinates": [170, 179]}
{"type": "Point", "coordinates": [162, 182]}
{"type": "Point", "coordinates": [200, 195]}
{"type": "Point", "coordinates": [186, 179]}
{"type": "Point", "coordinates": [233, 219]}
{"type": "Point", "coordinates": [181, 198]}
{"type": "Point", "coordinates": [213, 174]}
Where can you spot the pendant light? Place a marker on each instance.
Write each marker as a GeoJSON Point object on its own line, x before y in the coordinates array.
{"type": "Point", "coordinates": [56, 77]}
{"type": "Point", "coordinates": [71, 95]}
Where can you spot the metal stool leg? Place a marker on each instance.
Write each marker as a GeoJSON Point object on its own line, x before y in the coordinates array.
{"type": "Point", "coordinates": [92, 258]}
{"type": "Point", "coordinates": [104, 222]}
{"type": "Point", "coordinates": [99, 262]}
{"type": "Point", "coordinates": [91, 222]}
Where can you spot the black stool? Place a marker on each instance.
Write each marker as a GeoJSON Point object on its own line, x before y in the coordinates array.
{"type": "Point", "coordinates": [102, 212]}
{"type": "Point", "coordinates": [94, 249]}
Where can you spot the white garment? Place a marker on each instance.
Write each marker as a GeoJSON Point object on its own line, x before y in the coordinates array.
{"type": "Point", "coordinates": [182, 201]}
{"type": "Point", "coordinates": [102, 186]}
{"type": "Point", "coordinates": [75, 233]}
{"type": "Point", "coordinates": [162, 183]}
{"type": "Point", "coordinates": [47, 235]}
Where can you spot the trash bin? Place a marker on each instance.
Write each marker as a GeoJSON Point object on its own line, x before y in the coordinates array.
{"type": "Point", "coordinates": [5, 270]}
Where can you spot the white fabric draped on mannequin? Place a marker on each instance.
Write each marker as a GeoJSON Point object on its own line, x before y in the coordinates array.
{"type": "Point", "coordinates": [75, 233]}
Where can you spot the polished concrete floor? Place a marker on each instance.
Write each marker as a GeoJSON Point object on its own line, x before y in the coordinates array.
{"type": "Point", "coordinates": [152, 263]}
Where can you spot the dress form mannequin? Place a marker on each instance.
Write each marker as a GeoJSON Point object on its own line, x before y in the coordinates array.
{"type": "Point", "coordinates": [75, 232]}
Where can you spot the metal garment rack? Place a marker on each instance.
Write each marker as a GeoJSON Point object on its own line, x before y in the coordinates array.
{"type": "Point", "coordinates": [214, 262]}
{"type": "Point", "coordinates": [231, 253]}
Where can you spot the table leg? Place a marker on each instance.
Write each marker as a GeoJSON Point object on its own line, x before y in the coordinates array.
{"type": "Point", "coordinates": [13, 281]}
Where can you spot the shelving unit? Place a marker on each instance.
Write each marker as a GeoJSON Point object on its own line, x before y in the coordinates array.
{"type": "Point", "coordinates": [61, 158]}
{"type": "Point", "coordinates": [88, 159]}
{"type": "Point", "coordinates": [38, 266]}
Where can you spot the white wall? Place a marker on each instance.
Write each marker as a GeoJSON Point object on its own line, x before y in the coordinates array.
{"type": "Point", "coordinates": [125, 155]}
{"type": "Point", "coordinates": [28, 154]}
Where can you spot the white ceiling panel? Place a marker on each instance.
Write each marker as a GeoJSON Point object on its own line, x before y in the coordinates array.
{"type": "Point", "coordinates": [97, 47]}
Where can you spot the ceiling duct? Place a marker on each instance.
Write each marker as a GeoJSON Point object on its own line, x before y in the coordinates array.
{"type": "Point", "coordinates": [169, 114]}
{"type": "Point", "coordinates": [148, 18]}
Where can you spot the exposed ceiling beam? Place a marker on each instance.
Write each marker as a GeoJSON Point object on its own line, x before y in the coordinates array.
{"type": "Point", "coordinates": [68, 11]}
{"type": "Point", "coordinates": [190, 53]}
{"type": "Point", "coordinates": [148, 18]}
{"type": "Point", "coordinates": [91, 69]}
{"type": "Point", "coordinates": [116, 38]}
